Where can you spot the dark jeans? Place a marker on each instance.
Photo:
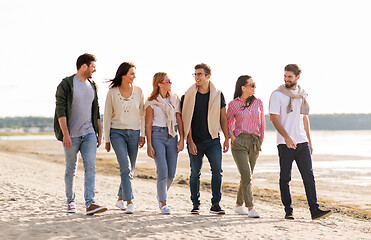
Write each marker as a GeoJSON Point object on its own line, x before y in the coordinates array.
{"type": "Point", "coordinates": [213, 151]}
{"type": "Point", "coordinates": [303, 160]}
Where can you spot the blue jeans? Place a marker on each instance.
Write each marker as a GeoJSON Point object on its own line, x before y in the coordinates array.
{"type": "Point", "coordinates": [303, 160]}
{"type": "Point", "coordinates": [125, 142]}
{"type": "Point", "coordinates": [213, 151]}
{"type": "Point", "coordinates": [166, 157]}
{"type": "Point", "coordinates": [87, 145]}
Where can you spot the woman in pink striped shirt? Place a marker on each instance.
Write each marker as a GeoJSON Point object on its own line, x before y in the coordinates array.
{"type": "Point", "coordinates": [246, 126]}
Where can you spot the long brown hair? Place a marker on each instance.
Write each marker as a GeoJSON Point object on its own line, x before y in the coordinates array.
{"type": "Point", "coordinates": [121, 71]}
{"type": "Point", "coordinates": [242, 81]}
{"type": "Point", "coordinates": [157, 78]}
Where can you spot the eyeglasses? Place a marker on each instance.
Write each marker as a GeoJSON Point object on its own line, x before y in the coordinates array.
{"type": "Point", "coordinates": [253, 85]}
{"type": "Point", "coordinates": [198, 74]}
{"type": "Point", "coordinates": [167, 81]}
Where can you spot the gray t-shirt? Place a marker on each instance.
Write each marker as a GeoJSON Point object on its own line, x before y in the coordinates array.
{"type": "Point", "coordinates": [80, 119]}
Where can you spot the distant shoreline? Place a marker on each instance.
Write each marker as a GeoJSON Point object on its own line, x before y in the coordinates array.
{"type": "Point", "coordinates": [9, 134]}
{"type": "Point", "coordinates": [26, 134]}
{"type": "Point", "coordinates": [336, 121]}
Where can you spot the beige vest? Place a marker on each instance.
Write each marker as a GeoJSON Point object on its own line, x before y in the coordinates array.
{"type": "Point", "coordinates": [213, 117]}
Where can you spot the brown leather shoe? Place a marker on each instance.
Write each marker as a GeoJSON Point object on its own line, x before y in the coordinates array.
{"type": "Point", "coordinates": [95, 208]}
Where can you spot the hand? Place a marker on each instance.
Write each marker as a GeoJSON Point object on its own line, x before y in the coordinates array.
{"type": "Point", "coordinates": [142, 141]}
{"type": "Point", "coordinates": [290, 143]}
{"type": "Point", "coordinates": [226, 145]}
{"type": "Point", "coordinates": [192, 148]}
{"type": "Point", "coordinates": [150, 151]}
{"type": "Point", "coordinates": [311, 148]}
{"type": "Point", "coordinates": [108, 146]}
{"type": "Point", "coordinates": [67, 141]}
{"type": "Point", "coordinates": [99, 140]}
{"type": "Point", "coordinates": [232, 138]}
{"type": "Point", "coordinates": [180, 145]}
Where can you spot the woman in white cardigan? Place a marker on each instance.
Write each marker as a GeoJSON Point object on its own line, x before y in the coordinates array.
{"type": "Point", "coordinates": [163, 119]}
{"type": "Point", "coordinates": [123, 127]}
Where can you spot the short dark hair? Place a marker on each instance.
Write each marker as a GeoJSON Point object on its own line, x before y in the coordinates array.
{"type": "Point", "coordinates": [205, 67]}
{"type": "Point", "coordinates": [121, 71]}
{"type": "Point", "coordinates": [293, 68]}
{"type": "Point", "coordinates": [86, 58]}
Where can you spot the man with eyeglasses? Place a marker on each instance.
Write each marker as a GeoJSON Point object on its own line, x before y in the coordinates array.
{"type": "Point", "coordinates": [289, 109]}
{"type": "Point", "coordinates": [203, 112]}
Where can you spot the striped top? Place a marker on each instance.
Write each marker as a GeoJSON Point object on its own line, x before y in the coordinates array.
{"type": "Point", "coordinates": [246, 120]}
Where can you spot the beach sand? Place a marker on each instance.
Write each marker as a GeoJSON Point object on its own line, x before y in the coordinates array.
{"type": "Point", "coordinates": [33, 201]}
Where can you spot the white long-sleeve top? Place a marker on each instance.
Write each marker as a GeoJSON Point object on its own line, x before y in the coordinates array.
{"type": "Point", "coordinates": [123, 113]}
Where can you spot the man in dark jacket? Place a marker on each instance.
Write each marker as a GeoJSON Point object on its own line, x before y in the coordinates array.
{"type": "Point", "coordinates": [77, 124]}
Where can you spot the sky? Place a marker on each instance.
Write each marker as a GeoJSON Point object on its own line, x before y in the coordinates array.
{"type": "Point", "coordinates": [330, 40]}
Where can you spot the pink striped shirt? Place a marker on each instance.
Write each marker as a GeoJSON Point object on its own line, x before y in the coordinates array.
{"type": "Point", "coordinates": [246, 120]}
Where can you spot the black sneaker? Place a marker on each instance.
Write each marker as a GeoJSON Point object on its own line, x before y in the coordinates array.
{"type": "Point", "coordinates": [216, 209]}
{"type": "Point", "coordinates": [196, 209]}
{"type": "Point", "coordinates": [289, 216]}
{"type": "Point", "coordinates": [318, 214]}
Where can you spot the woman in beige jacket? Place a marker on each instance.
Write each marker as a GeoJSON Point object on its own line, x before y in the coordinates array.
{"type": "Point", "coordinates": [123, 127]}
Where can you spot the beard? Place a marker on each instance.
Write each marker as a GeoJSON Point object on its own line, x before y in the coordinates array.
{"type": "Point", "coordinates": [89, 75]}
{"type": "Point", "coordinates": [290, 85]}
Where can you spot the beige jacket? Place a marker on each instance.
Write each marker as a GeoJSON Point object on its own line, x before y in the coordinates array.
{"type": "Point", "coordinates": [121, 113]}
{"type": "Point", "coordinates": [213, 117]}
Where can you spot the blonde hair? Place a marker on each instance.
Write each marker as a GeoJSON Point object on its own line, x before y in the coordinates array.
{"type": "Point", "coordinates": [157, 78]}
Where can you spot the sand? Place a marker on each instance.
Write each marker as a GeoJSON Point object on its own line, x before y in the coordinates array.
{"type": "Point", "coordinates": [33, 203]}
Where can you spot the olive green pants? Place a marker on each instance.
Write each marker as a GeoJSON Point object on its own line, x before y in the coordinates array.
{"type": "Point", "coordinates": [245, 152]}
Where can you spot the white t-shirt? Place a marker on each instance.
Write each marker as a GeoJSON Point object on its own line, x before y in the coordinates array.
{"type": "Point", "coordinates": [159, 117]}
{"type": "Point", "coordinates": [293, 121]}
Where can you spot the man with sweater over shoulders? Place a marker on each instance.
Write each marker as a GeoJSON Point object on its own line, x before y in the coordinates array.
{"type": "Point", "coordinates": [203, 112]}
{"type": "Point", "coordinates": [77, 124]}
{"type": "Point", "coordinates": [288, 110]}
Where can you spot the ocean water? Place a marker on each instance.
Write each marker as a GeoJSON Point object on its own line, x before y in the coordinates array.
{"type": "Point", "coordinates": [352, 143]}
{"type": "Point", "coordinates": [27, 137]}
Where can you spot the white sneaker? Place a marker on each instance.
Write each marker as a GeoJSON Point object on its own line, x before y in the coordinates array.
{"type": "Point", "coordinates": [71, 207]}
{"type": "Point", "coordinates": [165, 210]}
{"type": "Point", "coordinates": [240, 210]}
{"type": "Point", "coordinates": [253, 213]}
{"type": "Point", "coordinates": [120, 204]}
{"type": "Point", "coordinates": [130, 209]}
